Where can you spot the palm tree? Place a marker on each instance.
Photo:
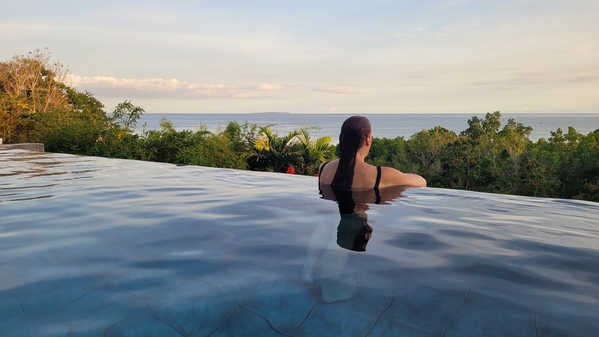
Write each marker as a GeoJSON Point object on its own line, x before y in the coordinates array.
{"type": "Point", "coordinates": [275, 153]}
{"type": "Point", "coordinates": [314, 152]}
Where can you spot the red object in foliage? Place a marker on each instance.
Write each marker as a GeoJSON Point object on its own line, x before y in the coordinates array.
{"type": "Point", "coordinates": [290, 170]}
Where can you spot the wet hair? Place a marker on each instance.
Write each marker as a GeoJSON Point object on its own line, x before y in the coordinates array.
{"type": "Point", "coordinates": [354, 132]}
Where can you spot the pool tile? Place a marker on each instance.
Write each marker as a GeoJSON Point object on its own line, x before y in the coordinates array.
{"type": "Point", "coordinates": [564, 318]}
{"type": "Point", "coordinates": [283, 302]}
{"type": "Point", "coordinates": [246, 323]}
{"type": "Point", "coordinates": [236, 278]}
{"type": "Point", "coordinates": [33, 326]}
{"type": "Point", "coordinates": [386, 328]}
{"type": "Point", "coordinates": [96, 311]}
{"type": "Point", "coordinates": [10, 309]}
{"type": "Point", "coordinates": [369, 300]}
{"type": "Point", "coordinates": [194, 309]}
{"type": "Point", "coordinates": [141, 325]}
{"type": "Point", "coordinates": [336, 319]}
{"type": "Point", "coordinates": [147, 284]}
{"type": "Point", "coordinates": [269, 255]}
{"type": "Point", "coordinates": [487, 315]}
{"type": "Point", "coordinates": [52, 288]}
{"type": "Point", "coordinates": [424, 308]}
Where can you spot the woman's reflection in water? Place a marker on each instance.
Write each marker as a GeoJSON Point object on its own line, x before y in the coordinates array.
{"type": "Point", "coordinates": [353, 234]}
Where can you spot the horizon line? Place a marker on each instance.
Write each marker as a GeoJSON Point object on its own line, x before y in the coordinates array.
{"type": "Point", "coordinates": [374, 113]}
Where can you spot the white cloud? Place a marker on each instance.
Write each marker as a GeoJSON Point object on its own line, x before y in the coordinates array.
{"type": "Point", "coordinates": [276, 87]}
{"type": "Point", "coordinates": [444, 56]}
{"type": "Point", "coordinates": [269, 87]}
{"type": "Point", "coordinates": [337, 90]}
{"type": "Point", "coordinates": [170, 88]}
{"type": "Point", "coordinates": [163, 88]}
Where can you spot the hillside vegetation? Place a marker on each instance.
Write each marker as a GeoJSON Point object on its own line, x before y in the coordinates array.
{"type": "Point", "coordinates": [37, 106]}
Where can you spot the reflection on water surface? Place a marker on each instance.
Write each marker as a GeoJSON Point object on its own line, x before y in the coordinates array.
{"type": "Point", "coordinates": [95, 246]}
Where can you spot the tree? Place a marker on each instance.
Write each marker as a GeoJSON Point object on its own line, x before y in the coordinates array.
{"type": "Point", "coordinates": [275, 153]}
{"type": "Point", "coordinates": [126, 115]}
{"type": "Point", "coordinates": [242, 137]}
{"type": "Point", "coordinates": [29, 85]}
{"type": "Point", "coordinates": [428, 145]}
{"type": "Point", "coordinates": [390, 152]}
{"type": "Point", "coordinates": [313, 152]}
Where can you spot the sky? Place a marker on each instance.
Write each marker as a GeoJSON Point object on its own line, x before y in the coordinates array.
{"type": "Point", "coordinates": [319, 56]}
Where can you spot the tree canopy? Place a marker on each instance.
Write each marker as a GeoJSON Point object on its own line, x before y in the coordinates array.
{"type": "Point", "coordinates": [37, 106]}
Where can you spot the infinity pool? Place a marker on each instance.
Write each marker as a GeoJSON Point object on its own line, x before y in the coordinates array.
{"type": "Point", "coordinates": [104, 247]}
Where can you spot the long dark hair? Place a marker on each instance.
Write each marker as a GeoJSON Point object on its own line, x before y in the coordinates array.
{"type": "Point", "coordinates": [354, 132]}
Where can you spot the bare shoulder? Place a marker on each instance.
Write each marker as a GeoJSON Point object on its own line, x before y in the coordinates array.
{"type": "Point", "coordinates": [393, 177]}
{"type": "Point", "coordinates": [328, 173]}
{"type": "Point", "coordinates": [331, 162]}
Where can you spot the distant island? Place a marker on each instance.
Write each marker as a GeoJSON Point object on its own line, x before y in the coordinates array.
{"type": "Point", "coordinates": [272, 113]}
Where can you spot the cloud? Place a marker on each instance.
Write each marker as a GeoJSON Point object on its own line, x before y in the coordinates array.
{"type": "Point", "coordinates": [591, 78]}
{"type": "Point", "coordinates": [162, 88]}
{"type": "Point", "coordinates": [338, 90]}
{"type": "Point", "coordinates": [275, 87]}
{"type": "Point", "coordinates": [269, 87]}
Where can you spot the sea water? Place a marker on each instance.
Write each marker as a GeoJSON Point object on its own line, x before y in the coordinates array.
{"type": "Point", "coordinates": [94, 246]}
{"type": "Point", "coordinates": [383, 125]}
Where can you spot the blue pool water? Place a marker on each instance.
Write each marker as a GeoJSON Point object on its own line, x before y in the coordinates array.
{"type": "Point", "coordinates": [93, 246]}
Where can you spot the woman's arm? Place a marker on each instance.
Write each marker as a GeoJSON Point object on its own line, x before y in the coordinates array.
{"type": "Point", "coordinates": [393, 177]}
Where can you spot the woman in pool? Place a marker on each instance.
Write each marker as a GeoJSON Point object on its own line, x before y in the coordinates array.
{"type": "Point", "coordinates": [349, 180]}
{"type": "Point", "coordinates": [351, 171]}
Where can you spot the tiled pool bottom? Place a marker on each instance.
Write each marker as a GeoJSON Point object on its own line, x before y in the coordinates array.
{"type": "Point", "coordinates": [92, 246]}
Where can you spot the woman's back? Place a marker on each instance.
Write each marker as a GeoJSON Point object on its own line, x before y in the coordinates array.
{"type": "Point", "coordinates": [365, 176]}
{"type": "Point", "coordinates": [351, 170]}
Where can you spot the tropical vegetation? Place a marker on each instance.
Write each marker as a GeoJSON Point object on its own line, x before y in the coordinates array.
{"type": "Point", "coordinates": [37, 106]}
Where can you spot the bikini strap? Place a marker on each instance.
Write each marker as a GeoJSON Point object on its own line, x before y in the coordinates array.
{"type": "Point", "coordinates": [320, 171]}
{"type": "Point", "coordinates": [378, 177]}
{"type": "Point", "coordinates": [377, 193]}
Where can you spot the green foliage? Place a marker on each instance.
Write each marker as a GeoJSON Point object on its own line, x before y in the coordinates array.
{"type": "Point", "coordinates": [82, 102]}
{"type": "Point", "coordinates": [242, 137]}
{"type": "Point", "coordinates": [275, 153]}
{"type": "Point", "coordinates": [426, 148]}
{"type": "Point", "coordinates": [390, 152]}
{"type": "Point", "coordinates": [166, 144]}
{"type": "Point", "coordinates": [191, 148]}
{"type": "Point", "coordinates": [126, 115]}
{"type": "Point", "coordinates": [36, 106]}
{"type": "Point", "coordinates": [313, 152]}
{"type": "Point", "coordinates": [486, 157]}
{"type": "Point", "coordinates": [296, 152]}
{"type": "Point", "coordinates": [29, 86]}
{"type": "Point", "coordinates": [69, 132]}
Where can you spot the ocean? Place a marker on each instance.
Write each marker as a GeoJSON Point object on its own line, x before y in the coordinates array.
{"type": "Point", "coordinates": [383, 125]}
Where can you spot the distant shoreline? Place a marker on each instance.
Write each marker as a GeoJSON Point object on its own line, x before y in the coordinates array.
{"type": "Point", "coordinates": [380, 113]}
{"type": "Point", "coordinates": [385, 125]}
{"type": "Point", "coordinates": [271, 113]}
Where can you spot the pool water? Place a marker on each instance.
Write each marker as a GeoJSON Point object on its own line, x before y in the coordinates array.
{"type": "Point", "coordinates": [105, 247]}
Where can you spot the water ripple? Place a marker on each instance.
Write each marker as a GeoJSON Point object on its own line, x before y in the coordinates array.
{"type": "Point", "coordinates": [88, 243]}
